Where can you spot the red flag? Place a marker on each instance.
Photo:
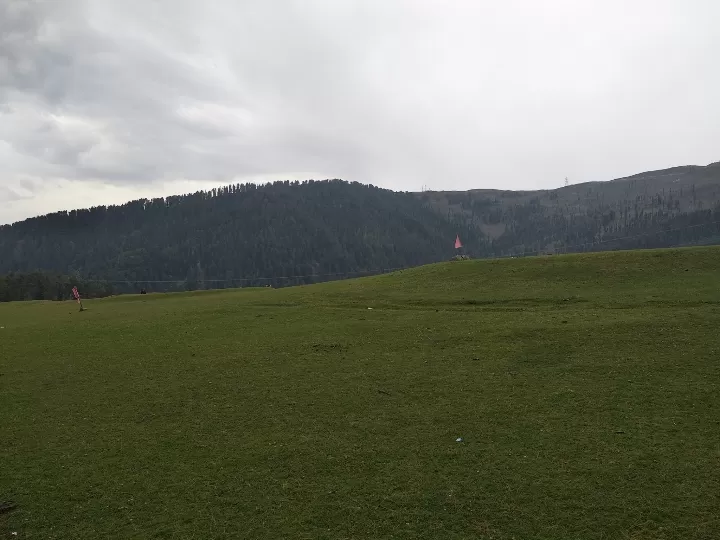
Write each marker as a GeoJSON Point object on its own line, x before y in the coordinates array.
{"type": "Point", "coordinates": [458, 244]}
{"type": "Point", "coordinates": [76, 294]}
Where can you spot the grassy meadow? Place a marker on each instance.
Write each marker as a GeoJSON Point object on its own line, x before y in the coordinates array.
{"type": "Point", "coordinates": [585, 390]}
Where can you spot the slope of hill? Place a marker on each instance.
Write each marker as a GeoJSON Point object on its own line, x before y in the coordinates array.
{"type": "Point", "coordinates": [569, 218]}
{"type": "Point", "coordinates": [237, 232]}
{"type": "Point", "coordinates": [573, 396]}
{"type": "Point", "coordinates": [305, 232]}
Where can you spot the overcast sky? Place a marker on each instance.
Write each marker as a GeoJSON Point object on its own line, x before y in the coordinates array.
{"type": "Point", "coordinates": [103, 101]}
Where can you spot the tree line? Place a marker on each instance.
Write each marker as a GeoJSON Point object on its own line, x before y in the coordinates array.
{"type": "Point", "coordinates": [48, 286]}
{"type": "Point", "coordinates": [237, 235]}
{"type": "Point", "coordinates": [292, 233]}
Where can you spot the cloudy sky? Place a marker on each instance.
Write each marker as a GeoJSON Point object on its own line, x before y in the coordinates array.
{"type": "Point", "coordinates": [103, 101]}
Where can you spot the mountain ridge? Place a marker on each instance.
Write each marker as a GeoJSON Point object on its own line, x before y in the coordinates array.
{"type": "Point", "coordinates": [243, 232]}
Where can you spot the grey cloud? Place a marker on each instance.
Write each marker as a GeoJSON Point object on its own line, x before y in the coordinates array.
{"type": "Point", "coordinates": [30, 62]}
{"type": "Point", "coordinates": [457, 94]}
{"type": "Point", "coordinates": [28, 185]}
{"type": "Point", "coordinates": [10, 195]}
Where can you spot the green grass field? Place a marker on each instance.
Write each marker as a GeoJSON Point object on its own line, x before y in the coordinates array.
{"type": "Point", "coordinates": [585, 389]}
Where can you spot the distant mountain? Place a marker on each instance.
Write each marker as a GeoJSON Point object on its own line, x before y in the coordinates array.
{"type": "Point", "coordinates": [593, 215]}
{"type": "Point", "coordinates": [297, 232]}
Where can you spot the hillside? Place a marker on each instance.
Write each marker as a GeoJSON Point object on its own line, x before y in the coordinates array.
{"type": "Point", "coordinates": [594, 214]}
{"type": "Point", "coordinates": [572, 396]}
{"type": "Point", "coordinates": [234, 234]}
{"type": "Point", "coordinates": [289, 233]}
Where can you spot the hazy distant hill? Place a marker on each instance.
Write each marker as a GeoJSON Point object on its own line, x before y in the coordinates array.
{"type": "Point", "coordinates": [568, 217]}
{"type": "Point", "coordinates": [304, 232]}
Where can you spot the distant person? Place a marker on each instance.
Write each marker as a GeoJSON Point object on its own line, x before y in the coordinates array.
{"type": "Point", "coordinates": [143, 291]}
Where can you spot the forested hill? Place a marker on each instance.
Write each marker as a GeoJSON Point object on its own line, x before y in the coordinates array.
{"type": "Point", "coordinates": [238, 233]}
{"type": "Point", "coordinates": [235, 235]}
{"type": "Point", "coordinates": [664, 208]}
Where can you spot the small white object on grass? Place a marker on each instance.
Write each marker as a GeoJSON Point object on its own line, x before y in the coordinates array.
{"type": "Point", "coordinates": [369, 308]}
{"type": "Point", "coordinates": [459, 439]}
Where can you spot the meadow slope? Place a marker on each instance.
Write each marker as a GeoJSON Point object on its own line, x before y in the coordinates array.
{"type": "Point", "coordinates": [584, 389]}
